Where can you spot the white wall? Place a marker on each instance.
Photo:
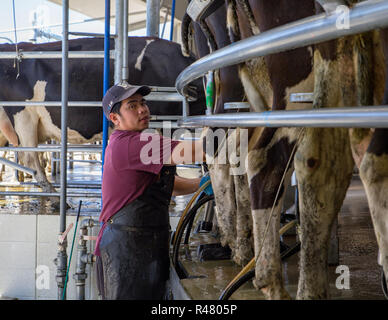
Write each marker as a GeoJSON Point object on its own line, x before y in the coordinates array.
{"type": "Point", "coordinates": [29, 241]}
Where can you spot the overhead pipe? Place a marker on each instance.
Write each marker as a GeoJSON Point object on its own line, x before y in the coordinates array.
{"type": "Point", "coordinates": [355, 117]}
{"type": "Point", "coordinates": [363, 17]}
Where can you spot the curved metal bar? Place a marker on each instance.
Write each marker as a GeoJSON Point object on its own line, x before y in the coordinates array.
{"type": "Point", "coordinates": [363, 17]}
{"type": "Point", "coordinates": [358, 117]}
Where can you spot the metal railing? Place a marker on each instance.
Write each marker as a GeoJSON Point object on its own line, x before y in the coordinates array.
{"type": "Point", "coordinates": [358, 117]}
{"type": "Point", "coordinates": [363, 17]}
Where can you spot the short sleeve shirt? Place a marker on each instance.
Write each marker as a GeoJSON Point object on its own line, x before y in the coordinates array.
{"type": "Point", "coordinates": [132, 162]}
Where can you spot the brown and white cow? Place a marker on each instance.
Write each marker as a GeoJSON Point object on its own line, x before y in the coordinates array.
{"type": "Point", "coordinates": [152, 61]}
{"type": "Point", "coordinates": [231, 191]}
{"type": "Point", "coordinates": [345, 72]}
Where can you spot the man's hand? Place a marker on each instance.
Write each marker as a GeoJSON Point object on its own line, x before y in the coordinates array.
{"type": "Point", "coordinates": [188, 152]}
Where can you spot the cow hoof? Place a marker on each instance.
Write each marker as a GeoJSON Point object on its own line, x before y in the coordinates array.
{"type": "Point", "coordinates": [56, 205]}
{"type": "Point", "coordinates": [272, 293]}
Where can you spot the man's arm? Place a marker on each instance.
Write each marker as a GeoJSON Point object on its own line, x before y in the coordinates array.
{"type": "Point", "coordinates": [188, 152]}
{"type": "Point", "coordinates": [184, 186]}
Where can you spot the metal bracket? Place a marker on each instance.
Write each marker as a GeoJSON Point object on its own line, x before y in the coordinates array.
{"type": "Point", "coordinates": [330, 6]}
{"type": "Point", "coordinates": [307, 97]}
{"type": "Point", "coordinates": [236, 105]}
{"type": "Point", "coordinates": [201, 9]}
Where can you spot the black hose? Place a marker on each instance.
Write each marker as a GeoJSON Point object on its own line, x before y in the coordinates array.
{"type": "Point", "coordinates": [185, 222]}
{"type": "Point", "coordinates": [384, 284]}
{"type": "Point", "coordinates": [226, 294]}
{"type": "Point", "coordinates": [190, 224]}
{"type": "Point", "coordinates": [186, 21]}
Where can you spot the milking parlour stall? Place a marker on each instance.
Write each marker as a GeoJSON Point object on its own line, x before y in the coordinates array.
{"type": "Point", "coordinates": [288, 100]}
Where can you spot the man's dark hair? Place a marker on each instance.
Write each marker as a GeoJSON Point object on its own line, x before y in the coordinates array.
{"type": "Point", "coordinates": [116, 108]}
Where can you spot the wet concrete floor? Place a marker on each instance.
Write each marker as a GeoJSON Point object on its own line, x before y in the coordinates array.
{"type": "Point", "coordinates": [357, 243]}
{"type": "Point", "coordinates": [357, 250]}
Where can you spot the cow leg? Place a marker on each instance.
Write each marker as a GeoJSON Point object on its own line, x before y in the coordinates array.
{"type": "Point", "coordinates": [2, 166]}
{"type": "Point", "coordinates": [237, 149]}
{"type": "Point", "coordinates": [374, 175]}
{"type": "Point", "coordinates": [26, 124]}
{"type": "Point", "coordinates": [223, 186]}
{"type": "Point", "coordinates": [268, 178]}
{"type": "Point", "coordinates": [323, 165]}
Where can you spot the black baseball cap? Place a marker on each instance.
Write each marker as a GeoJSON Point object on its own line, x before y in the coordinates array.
{"type": "Point", "coordinates": [120, 92]}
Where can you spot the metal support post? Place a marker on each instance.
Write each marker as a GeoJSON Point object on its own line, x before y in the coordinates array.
{"type": "Point", "coordinates": [83, 258]}
{"type": "Point", "coordinates": [153, 18]}
{"type": "Point", "coordinates": [62, 254]}
{"type": "Point", "coordinates": [125, 72]}
{"type": "Point", "coordinates": [119, 41]}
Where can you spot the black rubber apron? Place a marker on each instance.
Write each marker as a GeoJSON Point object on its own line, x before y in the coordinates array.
{"type": "Point", "coordinates": [135, 244]}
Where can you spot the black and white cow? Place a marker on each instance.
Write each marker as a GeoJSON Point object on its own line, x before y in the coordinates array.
{"type": "Point", "coordinates": [152, 61]}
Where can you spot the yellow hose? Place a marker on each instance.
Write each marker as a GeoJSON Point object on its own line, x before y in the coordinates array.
{"type": "Point", "coordinates": [190, 203]}
{"type": "Point", "coordinates": [251, 264]}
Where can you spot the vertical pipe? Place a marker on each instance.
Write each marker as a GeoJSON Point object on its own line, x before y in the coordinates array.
{"type": "Point", "coordinates": [153, 18]}
{"type": "Point", "coordinates": [105, 123]}
{"type": "Point", "coordinates": [172, 20]}
{"type": "Point", "coordinates": [62, 254]}
{"type": "Point", "coordinates": [125, 74]}
{"type": "Point", "coordinates": [185, 108]}
{"type": "Point", "coordinates": [119, 41]}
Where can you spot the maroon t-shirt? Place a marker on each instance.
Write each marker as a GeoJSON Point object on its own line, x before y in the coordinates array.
{"type": "Point", "coordinates": [132, 162]}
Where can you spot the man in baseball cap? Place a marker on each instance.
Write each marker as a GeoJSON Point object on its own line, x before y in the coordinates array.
{"type": "Point", "coordinates": [127, 95]}
{"type": "Point", "coordinates": [132, 246]}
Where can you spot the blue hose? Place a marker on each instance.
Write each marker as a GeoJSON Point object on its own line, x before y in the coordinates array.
{"type": "Point", "coordinates": [172, 20]}
{"type": "Point", "coordinates": [105, 123]}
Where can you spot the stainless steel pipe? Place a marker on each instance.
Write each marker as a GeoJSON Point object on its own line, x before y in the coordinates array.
{"type": "Point", "coordinates": [50, 194]}
{"type": "Point", "coordinates": [153, 18]}
{"type": "Point", "coordinates": [355, 117]}
{"type": "Point", "coordinates": [364, 16]}
{"type": "Point", "coordinates": [119, 41]}
{"type": "Point", "coordinates": [62, 253]}
{"type": "Point", "coordinates": [55, 54]}
{"type": "Point", "coordinates": [17, 166]}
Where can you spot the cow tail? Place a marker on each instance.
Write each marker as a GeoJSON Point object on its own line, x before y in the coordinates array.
{"type": "Point", "coordinates": [186, 34]}
{"type": "Point", "coordinates": [209, 36]}
{"type": "Point", "coordinates": [244, 4]}
{"type": "Point", "coordinates": [232, 21]}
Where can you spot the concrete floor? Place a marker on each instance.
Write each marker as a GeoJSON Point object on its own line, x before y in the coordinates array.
{"type": "Point", "coordinates": [357, 250]}
{"type": "Point", "coordinates": [357, 246]}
